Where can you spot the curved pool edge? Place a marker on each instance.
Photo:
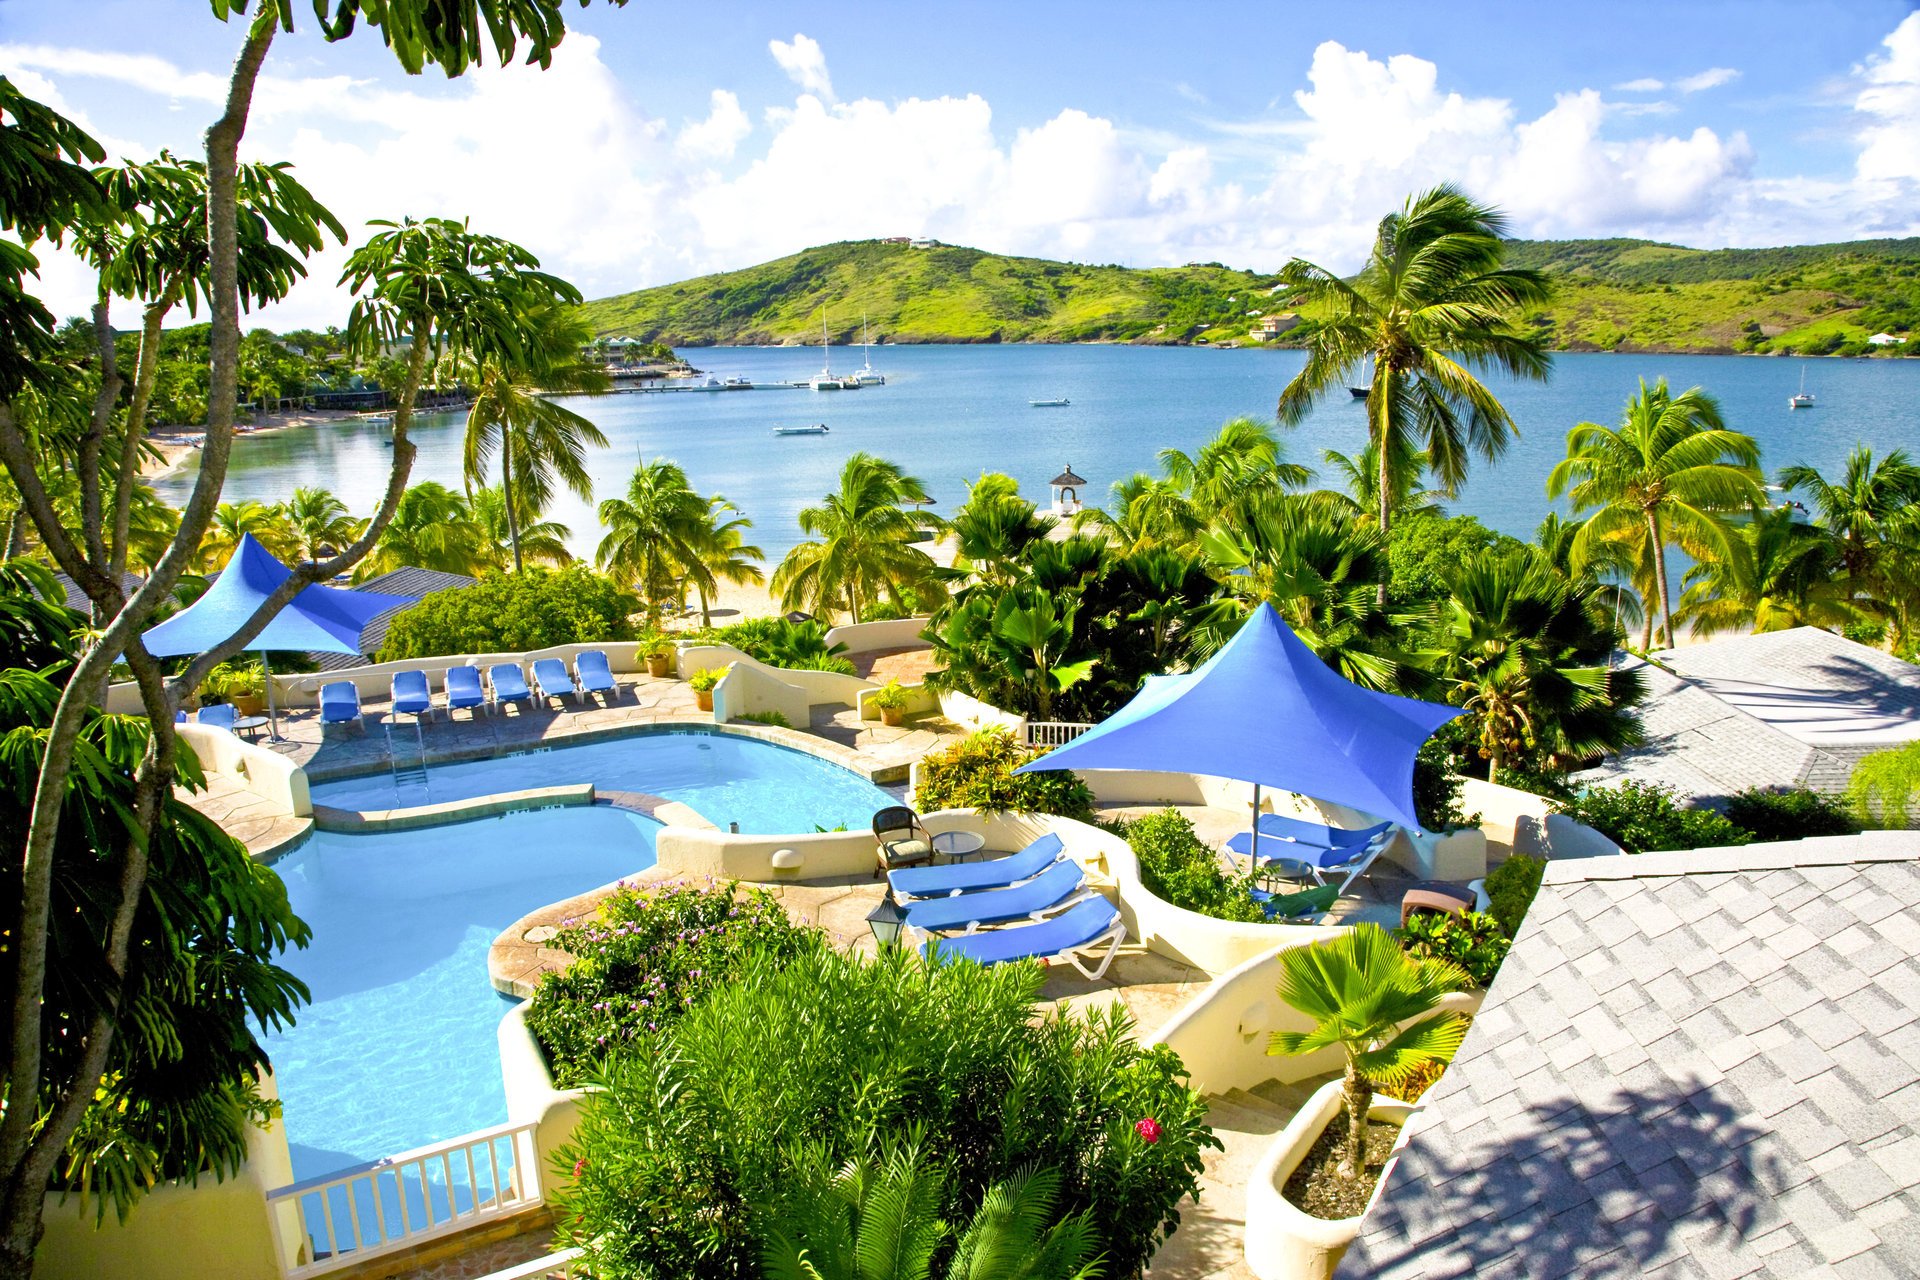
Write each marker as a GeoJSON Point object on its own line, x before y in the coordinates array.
{"type": "Point", "coordinates": [519, 955]}
{"type": "Point", "coordinates": [448, 812]}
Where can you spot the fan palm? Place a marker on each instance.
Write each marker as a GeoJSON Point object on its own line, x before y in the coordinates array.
{"type": "Point", "coordinates": [1790, 576]}
{"type": "Point", "coordinates": [1669, 473]}
{"type": "Point", "coordinates": [861, 544]}
{"type": "Point", "coordinates": [880, 1220]}
{"type": "Point", "coordinates": [320, 523]}
{"type": "Point", "coordinates": [1376, 1005]}
{"type": "Point", "coordinates": [1606, 563]}
{"type": "Point", "coordinates": [432, 528]}
{"type": "Point", "coordinates": [1432, 306]}
{"type": "Point", "coordinates": [515, 540]}
{"type": "Point", "coordinates": [540, 442]}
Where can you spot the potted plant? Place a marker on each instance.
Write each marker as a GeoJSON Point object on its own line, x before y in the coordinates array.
{"type": "Point", "coordinates": [656, 650]}
{"type": "Point", "coordinates": [1380, 1009]}
{"type": "Point", "coordinates": [244, 687]}
{"type": "Point", "coordinates": [702, 683]}
{"type": "Point", "coordinates": [890, 699]}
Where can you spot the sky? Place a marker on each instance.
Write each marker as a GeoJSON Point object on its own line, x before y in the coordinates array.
{"type": "Point", "coordinates": [669, 141]}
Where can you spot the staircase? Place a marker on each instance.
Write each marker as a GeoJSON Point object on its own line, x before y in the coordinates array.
{"type": "Point", "coordinates": [1210, 1242]}
{"type": "Point", "coordinates": [409, 774]}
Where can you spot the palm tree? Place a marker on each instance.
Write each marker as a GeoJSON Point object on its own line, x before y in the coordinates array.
{"type": "Point", "coordinates": [321, 525]}
{"type": "Point", "coordinates": [1244, 457]}
{"type": "Point", "coordinates": [1144, 511]}
{"type": "Point", "coordinates": [541, 541]}
{"type": "Point", "coordinates": [1361, 474]}
{"type": "Point", "coordinates": [538, 440]}
{"type": "Point", "coordinates": [1374, 1003]}
{"type": "Point", "coordinates": [663, 538]}
{"type": "Point", "coordinates": [1871, 514]}
{"type": "Point", "coordinates": [862, 544]}
{"type": "Point", "coordinates": [1432, 306]}
{"type": "Point", "coordinates": [1605, 564]}
{"type": "Point", "coordinates": [880, 1220]}
{"type": "Point", "coordinates": [1789, 576]}
{"type": "Point", "coordinates": [1526, 652]}
{"type": "Point", "coordinates": [235, 520]}
{"type": "Point", "coordinates": [431, 528]}
{"type": "Point", "coordinates": [1670, 472]}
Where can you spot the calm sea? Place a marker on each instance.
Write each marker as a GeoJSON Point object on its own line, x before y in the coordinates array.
{"type": "Point", "coordinates": [949, 413]}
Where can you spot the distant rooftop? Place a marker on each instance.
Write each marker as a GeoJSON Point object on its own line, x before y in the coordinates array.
{"type": "Point", "coordinates": [404, 581]}
{"type": "Point", "coordinates": [1691, 1064]}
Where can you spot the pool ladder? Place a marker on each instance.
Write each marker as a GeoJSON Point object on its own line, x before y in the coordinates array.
{"type": "Point", "coordinates": [409, 773]}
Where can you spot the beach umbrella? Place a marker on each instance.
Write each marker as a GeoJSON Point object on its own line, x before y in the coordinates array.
{"type": "Point", "coordinates": [318, 620]}
{"type": "Point", "coordinates": [1266, 710]}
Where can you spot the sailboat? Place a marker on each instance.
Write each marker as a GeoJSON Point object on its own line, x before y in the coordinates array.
{"type": "Point", "coordinates": [867, 376]}
{"type": "Point", "coordinates": [824, 380]}
{"type": "Point", "coordinates": [1803, 398]}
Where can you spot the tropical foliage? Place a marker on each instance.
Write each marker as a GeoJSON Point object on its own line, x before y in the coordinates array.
{"type": "Point", "coordinates": [1644, 817]}
{"type": "Point", "coordinates": [511, 613]}
{"type": "Point", "coordinates": [1474, 941]}
{"type": "Point", "coordinates": [1176, 866]}
{"type": "Point", "coordinates": [666, 540]}
{"type": "Point", "coordinates": [862, 544]}
{"type": "Point", "coordinates": [977, 772]}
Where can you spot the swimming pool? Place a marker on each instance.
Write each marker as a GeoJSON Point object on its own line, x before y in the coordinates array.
{"type": "Point", "coordinates": [767, 789]}
{"type": "Point", "coordinates": [398, 1048]}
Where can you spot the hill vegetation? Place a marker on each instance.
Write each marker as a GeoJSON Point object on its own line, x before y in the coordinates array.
{"type": "Point", "coordinates": [1624, 295]}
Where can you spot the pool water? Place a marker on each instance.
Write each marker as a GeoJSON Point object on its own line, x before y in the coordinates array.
{"type": "Point", "coordinates": [398, 1047]}
{"type": "Point", "coordinates": [766, 789]}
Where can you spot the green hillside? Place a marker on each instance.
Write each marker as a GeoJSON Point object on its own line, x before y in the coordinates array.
{"type": "Point", "coordinates": [1625, 295]}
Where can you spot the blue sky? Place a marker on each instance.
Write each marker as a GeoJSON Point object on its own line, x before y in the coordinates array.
{"type": "Point", "coordinates": [668, 141]}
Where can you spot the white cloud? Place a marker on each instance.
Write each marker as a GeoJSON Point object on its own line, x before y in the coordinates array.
{"type": "Point", "coordinates": [719, 135]}
{"type": "Point", "coordinates": [1711, 78]}
{"type": "Point", "coordinates": [1646, 84]}
{"type": "Point", "coordinates": [1890, 99]}
{"type": "Point", "coordinates": [804, 62]}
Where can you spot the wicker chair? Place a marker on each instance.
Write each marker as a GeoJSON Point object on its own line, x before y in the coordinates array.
{"type": "Point", "coordinates": [899, 839]}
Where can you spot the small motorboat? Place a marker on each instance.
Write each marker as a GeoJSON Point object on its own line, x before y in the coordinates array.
{"type": "Point", "coordinates": [817, 429]}
{"type": "Point", "coordinates": [1050, 404]}
{"type": "Point", "coordinates": [1359, 393]}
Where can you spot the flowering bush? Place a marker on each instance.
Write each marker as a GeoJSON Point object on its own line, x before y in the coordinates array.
{"type": "Point", "coordinates": [648, 955]}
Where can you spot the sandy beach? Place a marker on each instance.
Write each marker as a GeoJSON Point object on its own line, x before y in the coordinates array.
{"type": "Point", "coordinates": [171, 443]}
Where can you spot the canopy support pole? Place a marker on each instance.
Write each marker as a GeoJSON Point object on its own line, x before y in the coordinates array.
{"type": "Point", "coordinates": [273, 719]}
{"type": "Point", "coordinates": [1253, 858]}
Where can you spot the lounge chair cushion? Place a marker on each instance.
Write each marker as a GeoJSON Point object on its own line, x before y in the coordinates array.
{"type": "Point", "coordinates": [463, 687]}
{"type": "Point", "coordinates": [339, 701]}
{"type": "Point", "coordinates": [901, 853]}
{"type": "Point", "coordinates": [936, 882]}
{"type": "Point", "coordinates": [1068, 931]}
{"type": "Point", "coordinates": [410, 693]}
{"type": "Point", "coordinates": [1045, 891]}
{"type": "Point", "coordinates": [1286, 906]}
{"type": "Point", "coordinates": [596, 676]}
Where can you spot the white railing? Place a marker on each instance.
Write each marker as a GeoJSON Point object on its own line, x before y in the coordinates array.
{"type": "Point", "coordinates": [568, 1263]}
{"type": "Point", "coordinates": [343, 1218]}
{"type": "Point", "coordinates": [1054, 733]}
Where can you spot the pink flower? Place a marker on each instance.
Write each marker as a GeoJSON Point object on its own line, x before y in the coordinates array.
{"type": "Point", "coordinates": [1149, 1129]}
{"type": "Point", "coordinates": [578, 1165]}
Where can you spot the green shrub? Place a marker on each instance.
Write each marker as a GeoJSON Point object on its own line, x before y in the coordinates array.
{"type": "Point", "coordinates": [1883, 786]}
{"type": "Point", "coordinates": [513, 612]}
{"type": "Point", "coordinates": [838, 1055]}
{"type": "Point", "coordinates": [1511, 888]}
{"type": "Point", "coordinates": [773, 718]}
{"type": "Point", "coordinates": [1789, 813]}
{"type": "Point", "coordinates": [1177, 867]}
{"type": "Point", "coordinates": [978, 773]}
{"type": "Point", "coordinates": [1644, 817]}
{"type": "Point", "coordinates": [796, 646]}
{"type": "Point", "coordinates": [1436, 789]}
{"type": "Point", "coordinates": [649, 954]}
{"type": "Point", "coordinates": [1474, 941]}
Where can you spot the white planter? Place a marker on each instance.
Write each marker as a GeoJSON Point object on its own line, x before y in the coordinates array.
{"type": "Point", "coordinates": [1453, 855]}
{"type": "Point", "coordinates": [1285, 1243]}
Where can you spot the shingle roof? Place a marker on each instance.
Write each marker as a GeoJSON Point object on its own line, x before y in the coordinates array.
{"type": "Point", "coordinates": [77, 600]}
{"type": "Point", "coordinates": [1691, 1064]}
{"type": "Point", "coordinates": [404, 581]}
{"type": "Point", "coordinates": [1816, 687]}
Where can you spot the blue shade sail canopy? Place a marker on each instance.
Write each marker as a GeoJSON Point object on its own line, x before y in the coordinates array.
{"type": "Point", "coordinates": [1266, 710]}
{"type": "Point", "coordinates": [318, 620]}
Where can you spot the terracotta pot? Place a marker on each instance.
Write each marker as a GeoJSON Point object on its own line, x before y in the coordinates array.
{"type": "Point", "coordinates": [704, 699]}
{"type": "Point", "coordinates": [250, 704]}
{"type": "Point", "coordinates": [892, 716]}
{"type": "Point", "coordinates": [657, 665]}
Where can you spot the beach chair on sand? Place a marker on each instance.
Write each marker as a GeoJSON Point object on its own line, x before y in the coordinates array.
{"type": "Point", "coordinates": [411, 696]}
{"type": "Point", "coordinates": [340, 704]}
{"type": "Point", "coordinates": [463, 690]}
{"type": "Point", "coordinates": [551, 679]}
{"type": "Point", "coordinates": [938, 882]}
{"type": "Point", "coordinates": [590, 669]}
{"type": "Point", "coordinates": [508, 683]}
{"type": "Point", "coordinates": [1060, 885]}
{"type": "Point", "coordinates": [1064, 937]}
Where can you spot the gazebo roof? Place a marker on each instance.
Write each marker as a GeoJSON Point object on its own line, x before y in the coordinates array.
{"type": "Point", "coordinates": [1068, 479]}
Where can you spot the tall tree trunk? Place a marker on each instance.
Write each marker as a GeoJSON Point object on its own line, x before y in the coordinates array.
{"type": "Point", "coordinates": [1358, 1095]}
{"type": "Point", "coordinates": [1660, 575]}
{"type": "Point", "coordinates": [506, 491]}
{"type": "Point", "coordinates": [1377, 427]}
{"type": "Point", "coordinates": [145, 373]}
{"type": "Point", "coordinates": [17, 533]}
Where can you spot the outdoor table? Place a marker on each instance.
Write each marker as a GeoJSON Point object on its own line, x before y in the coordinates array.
{"type": "Point", "coordinates": [250, 725]}
{"type": "Point", "coordinates": [958, 845]}
{"type": "Point", "coordinates": [1437, 897]}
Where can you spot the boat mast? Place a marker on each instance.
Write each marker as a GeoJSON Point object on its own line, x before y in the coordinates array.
{"type": "Point", "coordinates": [826, 358]}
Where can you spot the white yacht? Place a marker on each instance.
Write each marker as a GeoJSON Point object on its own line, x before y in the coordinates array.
{"type": "Point", "coordinates": [826, 380]}
{"type": "Point", "coordinates": [867, 375]}
{"type": "Point", "coordinates": [1803, 398]}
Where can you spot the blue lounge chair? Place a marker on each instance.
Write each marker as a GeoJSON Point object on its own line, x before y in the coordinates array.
{"type": "Point", "coordinates": [411, 697]}
{"type": "Point", "coordinates": [1061, 938]}
{"type": "Point", "coordinates": [938, 882]}
{"type": "Point", "coordinates": [340, 704]}
{"type": "Point", "coordinates": [509, 683]}
{"type": "Point", "coordinates": [1346, 862]}
{"type": "Point", "coordinates": [595, 676]}
{"type": "Point", "coordinates": [1281, 829]}
{"type": "Point", "coordinates": [551, 679]}
{"type": "Point", "coordinates": [463, 690]}
{"type": "Point", "coordinates": [965, 912]}
{"type": "Point", "coordinates": [220, 715]}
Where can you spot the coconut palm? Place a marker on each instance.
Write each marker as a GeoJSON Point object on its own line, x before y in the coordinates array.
{"type": "Point", "coordinates": [320, 523]}
{"type": "Point", "coordinates": [880, 1220]}
{"type": "Point", "coordinates": [1377, 1006]}
{"type": "Point", "coordinates": [1361, 472]}
{"type": "Point", "coordinates": [1608, 568]}
{"type": "Point", "coordinates": [1432, 306]}
{"type": "Point", "coordinates": [233, 521]}
{"type": "Point", "coordinates": [1873, 513]}
{"type": "Point", "coordinates": [1671, 472]}
{"type": "Point", "coordinates": [725, 555]}
{"type": "Point", "coordinates": [432, 528]}
{"type": "Point", "coordinates": [861, 544]}
{"type": "Point", "coordinates": [1526, 652]}
{"type": "Point", "coordinates": [541, 541]}
{"type": "Point", "coordinates": [664, 538]}
{"type": "Point", "coordinates": [1144, 511]}
{"type": "Point", "coordinates": [1790, 576]}
{"type": "Point", "coordinates": [539, 441]}
{"type": "Point", "coordinates": [1243, 458]}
